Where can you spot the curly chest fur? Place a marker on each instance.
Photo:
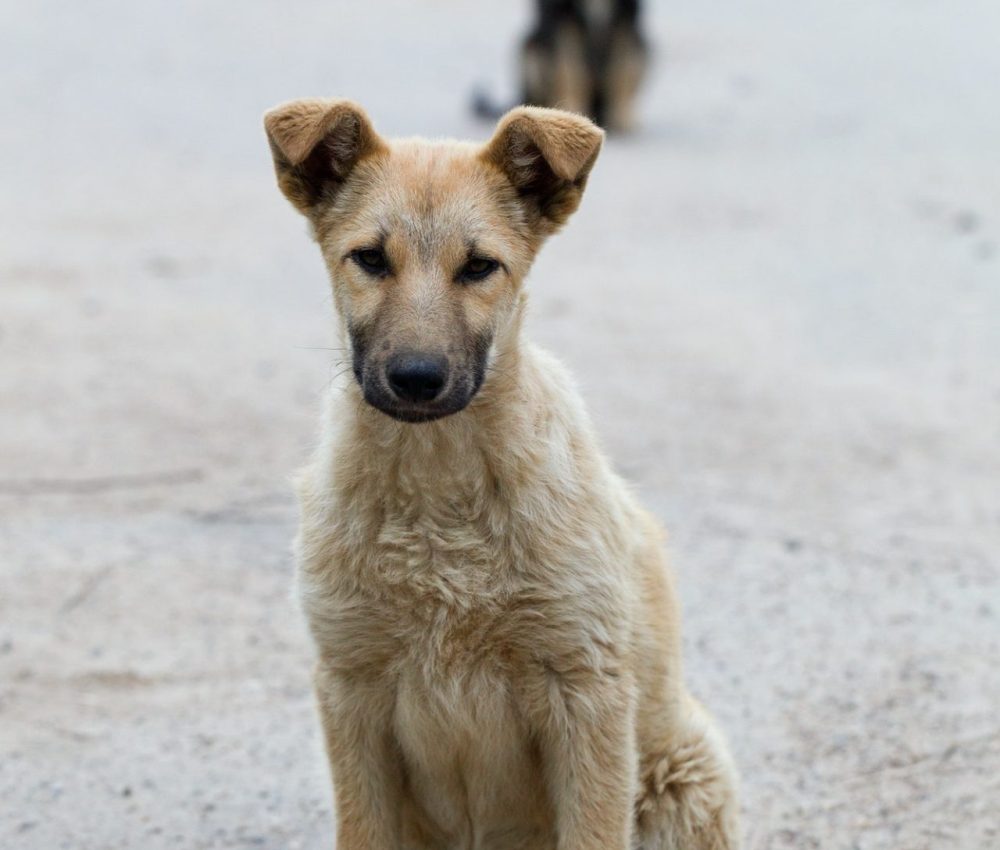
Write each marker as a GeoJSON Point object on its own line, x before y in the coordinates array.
{"type": "Point", "coordinates": [429, 580]}
{"type": "Point", "coordinates": [459, 588]}
{"type": "Point", "coordinates": [444, 558]}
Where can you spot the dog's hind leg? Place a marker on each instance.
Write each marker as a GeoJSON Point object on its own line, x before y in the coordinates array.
{"type": "Point", "coordinates": [687, 795]}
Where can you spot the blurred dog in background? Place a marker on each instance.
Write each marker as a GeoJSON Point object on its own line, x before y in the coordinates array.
{"type": "Point", "coordinates": [586, 56]}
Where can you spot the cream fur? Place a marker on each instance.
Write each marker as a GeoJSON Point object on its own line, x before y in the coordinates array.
{"type": "Point", "coordinates": [497, 633]}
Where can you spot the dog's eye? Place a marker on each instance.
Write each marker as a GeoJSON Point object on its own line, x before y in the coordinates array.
{"type": "Point", "coordinates": [372, 260]}
{"type": "Point", "coordinates": [478, 268]}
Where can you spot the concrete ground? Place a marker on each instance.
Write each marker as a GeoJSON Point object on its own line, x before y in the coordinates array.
{"type": "Point", "coordinates": [782, 299]}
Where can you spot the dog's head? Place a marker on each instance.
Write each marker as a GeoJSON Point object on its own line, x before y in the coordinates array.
{"type": "Point", "coordinates": [427, 242]}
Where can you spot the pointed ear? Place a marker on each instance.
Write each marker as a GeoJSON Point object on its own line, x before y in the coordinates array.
{"type": "Point", "coordinates": [547, 154]}
{"type": "Point", "coordinates": [315, 143]}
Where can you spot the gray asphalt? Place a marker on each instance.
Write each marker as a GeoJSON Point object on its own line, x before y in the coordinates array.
{"type": "Point", "coordinates": [781, 299]}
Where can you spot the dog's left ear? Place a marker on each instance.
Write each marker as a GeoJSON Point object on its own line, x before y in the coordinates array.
{"type": "Point", "coordinates": [547, 154]}
{"type": "Point", "coordinates": [316, 143]}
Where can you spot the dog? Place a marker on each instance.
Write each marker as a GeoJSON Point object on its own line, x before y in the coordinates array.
{"type": "Point", "coordinates": [587, 56]}
{"type": "Point", "coordinates": [497, 635]}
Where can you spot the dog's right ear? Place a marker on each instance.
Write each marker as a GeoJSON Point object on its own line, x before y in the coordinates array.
{"type": "Point", "coordinates": [315, 143]}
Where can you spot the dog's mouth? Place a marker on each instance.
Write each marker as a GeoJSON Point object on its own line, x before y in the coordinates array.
{"type": "Point", "coordinates": [414, 412]}
{"type": "Point", "coordinates": [379, 394]}
{"type": "Point", "coordinates": [417, 385]}
{"type": "Point", "coordinates": [415, 415]}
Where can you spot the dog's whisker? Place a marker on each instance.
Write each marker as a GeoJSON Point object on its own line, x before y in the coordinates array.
{"type": "Point", "coordinates": [339, 374]}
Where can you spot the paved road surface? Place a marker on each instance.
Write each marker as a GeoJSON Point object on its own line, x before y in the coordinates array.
{"type": "Point", "coordinates": [782, 301]}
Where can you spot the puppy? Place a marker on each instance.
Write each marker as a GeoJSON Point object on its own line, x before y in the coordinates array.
{"type": "Point", "coordinates": [497, 634]}
{"type": "Point", "coordinates": [588, 56]}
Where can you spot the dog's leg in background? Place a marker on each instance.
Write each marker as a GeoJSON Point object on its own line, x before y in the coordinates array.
{"type": "Point", "coordinates": [554, 67]}
{"type": "Point", "coordinates": [365, 763]}
{"type": "Point", "coordinates": [572, 80]}
{"type": "Point", "coordinates": [627, 61]}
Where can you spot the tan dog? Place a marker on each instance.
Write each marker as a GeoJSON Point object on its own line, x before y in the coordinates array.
{"type": "Point", "coordinates": [499, 657]}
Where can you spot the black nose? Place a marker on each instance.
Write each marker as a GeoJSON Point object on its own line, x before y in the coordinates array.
{"type": "Point", "coordinates": [417, 377]}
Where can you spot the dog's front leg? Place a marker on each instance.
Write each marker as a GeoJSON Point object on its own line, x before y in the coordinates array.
{"type": "Point", "coordinates": [588, 749]}
{"type": "Point", "coordinates": [356, 718]}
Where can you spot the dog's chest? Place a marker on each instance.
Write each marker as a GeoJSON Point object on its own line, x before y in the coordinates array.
{"type": "Point", "coordinates": [453, 550]}
{"type": "Point", "coordinates": [442, 587]}
{"type": "Point", "coordinates": [421, 559]}
{"type": "Point", "coordinates": [436, 605]}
